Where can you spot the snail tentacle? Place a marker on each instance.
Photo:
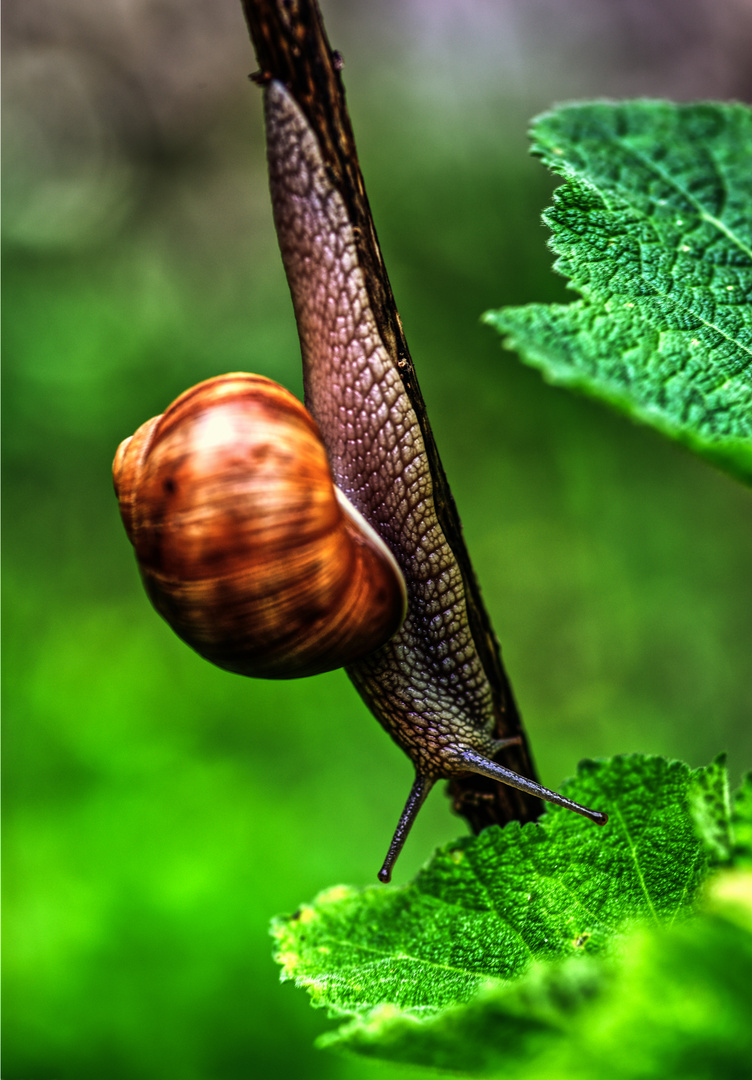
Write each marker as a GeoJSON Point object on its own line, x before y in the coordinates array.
{"type": "Point", "coordinates": [418, 792]}
{"type": "Point", "coordinates": [476, 763]}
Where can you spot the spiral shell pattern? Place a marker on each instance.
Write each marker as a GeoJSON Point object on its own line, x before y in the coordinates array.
{"type": "Point", "coordinates": [244, 544]}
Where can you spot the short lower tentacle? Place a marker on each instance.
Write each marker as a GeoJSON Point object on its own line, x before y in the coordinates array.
{"type": "Point", "coordinates": [415, 800]}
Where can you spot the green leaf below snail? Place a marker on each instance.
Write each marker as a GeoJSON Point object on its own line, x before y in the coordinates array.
{"type": "Point", "coordinates": [653, 226]}
{"type": "Point", "coordinates": [673, 1002]}
{"type": "Point", "coordinates": [518, 927]}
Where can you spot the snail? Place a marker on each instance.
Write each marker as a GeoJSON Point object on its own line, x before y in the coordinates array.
{"type": "Point", "coordinates": [422, 662]}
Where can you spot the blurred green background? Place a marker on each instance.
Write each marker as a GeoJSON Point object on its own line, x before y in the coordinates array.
{"type": "Point", "coordinates": [159, 812]}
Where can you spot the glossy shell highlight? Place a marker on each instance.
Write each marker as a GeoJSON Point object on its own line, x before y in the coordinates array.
{"type": "Point", "coordinates": [244, 544]}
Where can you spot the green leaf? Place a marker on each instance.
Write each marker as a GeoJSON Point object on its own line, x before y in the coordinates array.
{"type": "Point", "coordinates": [555, 950]}
{"type": "Point", "coordinates": [673, 1003]}
{"type": "Point", "coordinates": [653, 225]}
{"type": "Point", "coordinates": [710, 807]}
{"type": "Point", "coordinates": [506, 1026]}
{"type": "Point", "coordinates": [487, 908]}
{"type": "Point", "coordinates": [741, 821]}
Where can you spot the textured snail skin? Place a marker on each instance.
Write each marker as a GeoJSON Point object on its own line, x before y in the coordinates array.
{"type": "Point", "coordinates": [427, 686]}
{"type": "Point", "coordinates": [243, 543]}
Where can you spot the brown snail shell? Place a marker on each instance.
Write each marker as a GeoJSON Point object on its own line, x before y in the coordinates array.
{"type": "Point", "coordinates": [244, 544]}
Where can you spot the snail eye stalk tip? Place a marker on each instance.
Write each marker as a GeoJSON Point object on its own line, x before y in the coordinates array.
{"type": "Point", "coordinates": [418, 792]}
{"type": "Point", "coordinates": [484, 767]}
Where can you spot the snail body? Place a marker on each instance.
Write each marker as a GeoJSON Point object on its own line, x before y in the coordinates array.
{"type": "Point", "coordinates": [428, 685]}
{"type": "Point", "coordinates": [244, 544]}
{"type": "Point", "coordinates": [401, 617]}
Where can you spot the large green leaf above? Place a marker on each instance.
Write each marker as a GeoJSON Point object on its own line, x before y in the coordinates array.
{"type": "Point", "coordinates": [653, 226]}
